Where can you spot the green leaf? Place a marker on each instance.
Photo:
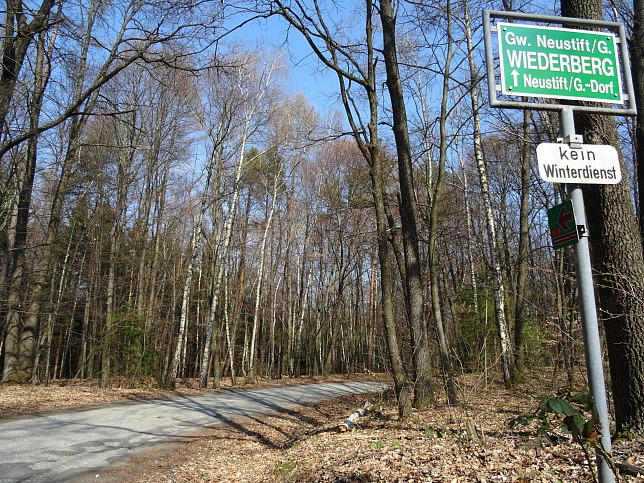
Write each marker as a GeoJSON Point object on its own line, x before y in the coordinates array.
{"type": "Point", "coordinates": [574, 424]}
{"type": "Point", "coordinates": [519, 420]}
{"type": "Point", "coordinates": [542, 431]}
{"type": "Point", "coordinates": [568, 410]}
{"type": "Point", "coordinates": [560, 406]}
{"type": "Point", "coordinates": [555, 405]}
{"type": "Point", "coordinates": [584, 398]}
{"type": "Point", "coordinates": [429, 433]}
{"type": "Point", "coordinates": [590, 432]}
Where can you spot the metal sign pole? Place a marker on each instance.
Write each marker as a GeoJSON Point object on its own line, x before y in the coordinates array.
{"type": "Point", "coordinates": [531, 61]}
{"type": "Point", "coordinates": [592, 343]}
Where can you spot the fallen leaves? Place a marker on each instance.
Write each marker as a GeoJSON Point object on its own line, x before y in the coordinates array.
{"type": "Point", "coordinates": [433, 445]}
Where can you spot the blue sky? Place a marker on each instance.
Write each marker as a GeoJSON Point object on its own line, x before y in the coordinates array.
{"type": "Point", "coordinates": [318, 83]}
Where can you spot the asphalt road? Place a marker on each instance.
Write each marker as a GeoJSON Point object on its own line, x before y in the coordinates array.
{"type": "Point", "coordinates": [66, 446]}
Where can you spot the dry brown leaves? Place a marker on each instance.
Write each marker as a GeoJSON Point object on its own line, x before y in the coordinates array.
{"type": "Point", "coordinates": [432, 446]}
{"type": "Point", "coordinates": [18, 400]}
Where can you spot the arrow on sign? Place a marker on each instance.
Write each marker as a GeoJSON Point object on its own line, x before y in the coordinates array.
{"type": "Point", "coordinates": [515, 74]}
{"type": "Point", "coordinates": [563, 228]}
{"type": "Point", "coordinates": [564, 218]}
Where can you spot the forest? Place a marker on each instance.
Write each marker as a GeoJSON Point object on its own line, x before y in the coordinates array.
{"type": "Point", "coordinates": [173, 207]}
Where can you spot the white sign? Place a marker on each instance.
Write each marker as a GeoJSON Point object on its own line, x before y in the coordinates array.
{"type": "Point", "coordinates": [587, 164]}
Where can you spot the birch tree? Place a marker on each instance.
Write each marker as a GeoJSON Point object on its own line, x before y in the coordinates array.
{"type": "Point", "coordinates": [497, 274]}
{"type": "Point", "coordinates": [276, 185]}
{"type": "Point", "coordinates": [251, 84]}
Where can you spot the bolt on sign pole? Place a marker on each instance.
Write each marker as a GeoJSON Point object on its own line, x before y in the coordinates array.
{"type": "Point", "coordinates": [579, 62]}
{"type": "Point", "coordinates": [587, 306]}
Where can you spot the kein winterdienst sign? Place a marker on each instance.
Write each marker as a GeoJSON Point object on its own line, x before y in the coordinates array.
{"type": "Point", "coordinates": [583, 164]}
{"type": "Point", "coordinates": [559, 63]}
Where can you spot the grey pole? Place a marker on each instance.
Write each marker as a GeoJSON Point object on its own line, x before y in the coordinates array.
{"type": "Point", "coordinates": [587, 306]}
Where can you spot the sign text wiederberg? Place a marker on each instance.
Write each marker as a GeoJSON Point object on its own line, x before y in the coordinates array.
{"type": "Point", "coordinates": [559, 63]}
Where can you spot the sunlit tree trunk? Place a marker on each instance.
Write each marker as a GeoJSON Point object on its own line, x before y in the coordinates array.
{"type": "Point", "coordinates": [313, 26]}
{"type": "Point", "coordinates": [125, 159]}
{"type": "Point", "coordinates": [423, 392]}
{"type": "Point", "coordinates": [524, 249]}
{"type": "Point", "coordinates": [17, 36]}
{"type": "Point", "coordinates": [252, 376]}
{"type": "Point", "coordinates": [16, 368]}
{"type": "Point", "coordinates": [637, 62]}
{"type": "Point", "coordinates": [193, 253]}
{"type": "Point", "coordinates": [223, 257]}
{"type": "Point", "coordinates": [497, 275]}
{"type": "Point", "coordinates": [618, 260]}
{"type": "Point", "coordinates": [305, 280]}
{"type": "Point", "coordinates": [446, 361]}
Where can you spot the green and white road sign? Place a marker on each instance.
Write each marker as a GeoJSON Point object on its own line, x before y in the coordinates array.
{"type": "Point", "coordinates": [559, 63]}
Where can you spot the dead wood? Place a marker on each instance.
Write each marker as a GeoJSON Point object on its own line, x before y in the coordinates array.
{"type": "Point", "coordinates": [355, 415]}
{"type": "Point", "coordinates": [630, 470]}
{"type": "Point", "coordinates": [471, 431]}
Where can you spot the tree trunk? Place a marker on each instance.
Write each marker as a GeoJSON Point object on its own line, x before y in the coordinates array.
{"type": "Point", "coordinates": [637, 64]}
{"type": "Point", "coordinates": [41, 283]}
{"type": "Point", "coordinates": [618, 261]}
{"type": "Point", "coordinates": [221, 266]}
{"type": "Point", "coordinates": [125, 160]}
{"type": "Point", "coordinates": [524, 241]}
{"type": "Point", "coordinates": [252, 376]}
{"type": "Point", "coordinates": [368, 143]}
{"type": "Point", "coordinates": [498, 288]}
{"type": "Point", "coordinates": [171, 376]}
{"type": "Point", "coordinates": [446, 362]}
{"type": "Point", "coordinates": [16, 38]}
{"type": "Point", "coordinates": [252, 107]}
{"type": "Point", "coordinates": [423, 392]}
{"type": "Point", "coordinates": [15, 369]}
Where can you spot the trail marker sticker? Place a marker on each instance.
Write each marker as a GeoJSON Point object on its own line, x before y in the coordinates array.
{"type": "Point", "coordinates": [559, 63]}
{"type": "Point", "coordinates": [563, 227]}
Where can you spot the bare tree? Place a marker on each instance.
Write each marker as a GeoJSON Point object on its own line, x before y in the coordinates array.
{"type": "Point", "coordinates": [18, 34]}
{"type": "Point", "coordinates": [340, 57]}
{"type": "Point", "coordinates": [121, 46]}
{"type": "Point", "coordinates": [251, 88]}
{"type": "Point", "coordinates": [498, 283]}
{"type": "Point", "coordinates": [423, 393]}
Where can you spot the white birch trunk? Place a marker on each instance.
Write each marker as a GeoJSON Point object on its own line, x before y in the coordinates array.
{"type": "Point", "coordinates": [229, 341]}
{"type": "Point", "coordinates": [185, 302]}
{"type": "Point", "coordinates": [498, 288]}
{"type": "Point", "coordinates": [228, 230]}
{"type": "Point", "coordinates": [470, 235]}
{"type": "Point", "coordinates": [260, 275]}
{"type": "Point", "coordinates": [254, 109]}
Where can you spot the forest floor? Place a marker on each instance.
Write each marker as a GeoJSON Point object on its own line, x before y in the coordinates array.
{"type": "Point", "coordinates": [303, 444]}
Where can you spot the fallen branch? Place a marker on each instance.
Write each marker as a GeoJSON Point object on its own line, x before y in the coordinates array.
{"type": "Point", "coordinates": [630, 470]}
{"type": "Point", "coordinates": [624, 468]}
{"type": "Point", "coordinates": [354, 416]}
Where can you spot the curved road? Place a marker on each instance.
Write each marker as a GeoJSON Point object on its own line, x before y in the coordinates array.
{"type": "Point", "coordinates": [61, 447]}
